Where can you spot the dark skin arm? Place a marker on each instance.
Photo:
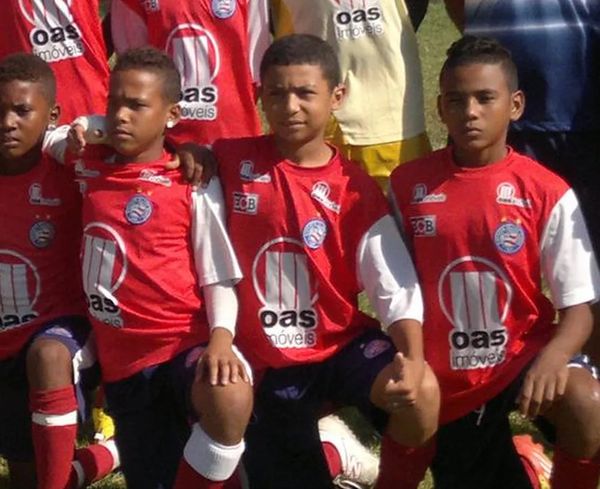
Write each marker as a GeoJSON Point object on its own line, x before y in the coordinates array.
{"type": "Point", "coordinates": [408, 364]}
{"type": "Point", "coordinates": [547, 377]}
{"type": "Point", "coordinates": [416, 10]}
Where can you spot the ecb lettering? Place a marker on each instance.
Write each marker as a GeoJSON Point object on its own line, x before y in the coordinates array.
{"type": "Point", "coordinates": [304, 319]}
{"type": "Point", "coordinates": [245, 203]}
{"type": "Point", "coordinates": [423, 225]}
{"type": "Point", "coordinates": [358, 15]}
{"type": "Point", "coordinates": [41, 37]}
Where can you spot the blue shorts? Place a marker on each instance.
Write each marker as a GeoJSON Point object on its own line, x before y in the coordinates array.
{"type": "Point", "coordinates": [15, 418]}
{"type": "Point", "coordinates": [477, 452]}
{"type": "Point", "coordinates": [282, 440]}
{"type": "Point", "coordinates": [152, 413]}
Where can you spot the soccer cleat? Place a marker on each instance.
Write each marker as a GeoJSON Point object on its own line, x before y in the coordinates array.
{"type": "Point", "coordinates": [360, 467]}
{"type": "Point", "coordinates": [104, 426]}
{"type": "Point", "coordinates": [537, 464]}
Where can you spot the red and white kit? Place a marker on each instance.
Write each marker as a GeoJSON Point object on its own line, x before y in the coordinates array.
{"type": "Point", "coordinates": [149, 244]}
{"type": "Point", "coordinates": [217, 46]}
{"type": "Point", "coordinates": [68, 35]}
{"type": "Point", "coordinates": [309, 240]}
{"type": "Point", "coordinates": [482, 239]}
{"type": "Point", "coordinates": [39, 252]}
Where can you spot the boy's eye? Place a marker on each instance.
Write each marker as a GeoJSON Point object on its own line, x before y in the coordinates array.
{"type": "Point", "coordinates": [22, 110]}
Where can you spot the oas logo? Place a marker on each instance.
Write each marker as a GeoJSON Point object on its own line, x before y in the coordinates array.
{"type": "Point", "coordinates": [20, 287]}
{"type": "Point", "coordinates": [475, 295]}
{"type": "Point", "coordinates": [196, 55]}
{"type": "Point", "coordinates": [104, 264]}
{"type": "Point", "coordinates": [55, 35]}
{"type": "Point", "coordinates": [287, 291]}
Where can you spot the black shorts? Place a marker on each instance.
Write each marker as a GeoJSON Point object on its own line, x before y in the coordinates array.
{"type": "Point", "coordinates": [477, 452]}
{"type": "Point", "coordinates": [15, 417]}
{"type": "Point", "coordinates": [283, 448]}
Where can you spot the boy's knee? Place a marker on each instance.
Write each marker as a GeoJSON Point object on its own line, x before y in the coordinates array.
{"type": "Point", "coordinates": [224, 411]}
{"type": "Point", "coordinates": [48, 355]}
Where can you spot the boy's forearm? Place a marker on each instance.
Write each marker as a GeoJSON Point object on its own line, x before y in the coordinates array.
{"type": "Point", "coordinates": [573, 330]}
{"type": "Point", "coordinates": [407, 336]}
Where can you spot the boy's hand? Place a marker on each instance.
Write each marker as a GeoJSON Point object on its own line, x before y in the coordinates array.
{"type": "Point", "coordinates": [219, 365]}
{"type": "Point", "coordinates": [402, 390]}
{"type": "Point", "coordinates": [198, 164]}
{"type": "Point", "coordinates": [545, 382]}
{"type": "Point", "coordinates": [76, 139]}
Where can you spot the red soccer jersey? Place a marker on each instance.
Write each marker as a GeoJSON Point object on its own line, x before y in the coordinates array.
{"type": "Point", "coordinates": [68, 35]}
{"type": "Point", "coordinates": [299, 234]}
{"type": "Point", "coordinates": [212, 43]}
{"type": "Point", "coordinates": [140, 264]}
{"type": "Point", "coordinates": [482, 239]}
{"type": "Point", "coordinates": [39, 252]}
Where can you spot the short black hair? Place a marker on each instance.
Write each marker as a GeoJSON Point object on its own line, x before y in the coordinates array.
{"type": "Point", "coordinates": [472, 49]}
{"type": "Point", "coordinates": [29, 68]}
{"type": "Point", "coordinates": [155, 61]}
{"type": "Point", "coordinates": [303, 49]}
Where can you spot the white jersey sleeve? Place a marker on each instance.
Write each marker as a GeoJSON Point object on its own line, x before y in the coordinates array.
{"type": "Point", "coordinates": [128, 29]}
{"type": "Point", "coordinates": [213, 252]}
{"type": "Point", "coordinates": [259, 36]}
{"type": "Point", "coordinates": [568, 262]}
{"type": "Point", "coordinates": [387, 275]}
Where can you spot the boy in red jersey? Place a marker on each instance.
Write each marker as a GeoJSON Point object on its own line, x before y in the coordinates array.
{"type": "Point", "coordinates": [150, 243]}
{"type": "Point", "coordinates": [216, 46]}
{"type": "Point", "coordinates": [46, 355]}
{"type": "Point", "coordinates": [312, 230]}
{"type": "Point", "coordinates": [485, 224]}
{"type": "Point", "coordinates": [68, 36]}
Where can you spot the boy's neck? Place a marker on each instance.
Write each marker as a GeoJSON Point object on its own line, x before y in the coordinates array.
{"type": "Point", "coordinates": [148, 156]}
{"type": "Point", "coordinates": [309, 155]}
{"type": "Point", "coordinates": [23, 164]}
{"type": "Point", "coordinates": [477, 159]}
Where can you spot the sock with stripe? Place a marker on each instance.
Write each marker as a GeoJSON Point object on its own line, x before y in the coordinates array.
{"type": "Point", "coordinates": [401, 466]}
{"type": "Point", "coordinates": [54, 428]}
{"type": "Point", "coordinates": [206, 464]}
{"type": "Point", "coordinates": [574, 473]}
{"type": "Point", "coordinates": [93, 463]}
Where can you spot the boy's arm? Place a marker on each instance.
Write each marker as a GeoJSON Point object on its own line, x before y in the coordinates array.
{"type": "Point", "coordinates": [387, 274]}
{"type": "Point", "coordinates": [217, 270]}
{"type": "Point", "coordinates": [571, 271]}
{"type": "Point", "coordinates": [92, 130]}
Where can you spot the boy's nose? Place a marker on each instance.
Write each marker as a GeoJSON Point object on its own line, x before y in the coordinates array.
{"type": "Point", "coordinates": [292, 103]}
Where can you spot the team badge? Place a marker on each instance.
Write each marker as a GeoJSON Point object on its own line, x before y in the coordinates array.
{"type": "Point", "coordinates": [314, 233]}
{"type": "Point", "coordinates": [138, 210]}
{"type": "Point", "coordinates": [375, 348]}
{"type": "Point", "coordinates": [42, 234]}
{"type": "Point", "coordinates": [509, 237]}
{"type": "Point", "coordinates": [223, 9]}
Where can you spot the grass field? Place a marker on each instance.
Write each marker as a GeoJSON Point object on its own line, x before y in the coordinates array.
{"type": "Point", "coordinates": [435, 35]}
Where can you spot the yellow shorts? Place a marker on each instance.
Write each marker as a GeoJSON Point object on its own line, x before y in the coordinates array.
{"type": "Point", "coordinates": [379, 160]}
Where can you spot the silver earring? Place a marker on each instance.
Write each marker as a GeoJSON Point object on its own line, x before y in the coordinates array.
{"type": "Point", "coordinates": [170, 124]}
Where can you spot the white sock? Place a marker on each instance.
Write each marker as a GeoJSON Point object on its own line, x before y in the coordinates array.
{"type": "Point", "coordinates": [210, 459]}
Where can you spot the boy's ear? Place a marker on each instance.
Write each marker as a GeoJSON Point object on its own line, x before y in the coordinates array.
{"type": "Point", "coordinates": [338, 94]}
{"type": "Point", "coordinates": [173, 116]}
{"type": "Point", "coordinates": [518, 105]}
{"type": "Point", "coordinates": [54, 116]}
{"type": "Point", "coordinates": [439, 107]}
